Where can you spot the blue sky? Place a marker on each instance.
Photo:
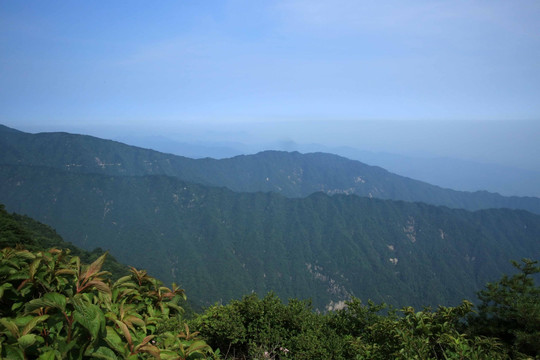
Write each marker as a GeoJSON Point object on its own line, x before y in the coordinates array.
{"type": "Point", "coordinates": [104, 67]}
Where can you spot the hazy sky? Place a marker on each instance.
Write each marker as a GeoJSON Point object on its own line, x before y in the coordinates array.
{"type": "Point", "coordinates": [316, 67]}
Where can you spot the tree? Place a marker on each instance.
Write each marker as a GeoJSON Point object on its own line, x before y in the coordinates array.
{"type": "Point", "coordinates": [422, 334]}
{"type": "Point", "coordinates": [510, 310]}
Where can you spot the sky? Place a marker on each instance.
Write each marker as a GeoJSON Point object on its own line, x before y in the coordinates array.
{"type": "Point", "coordinates": [448, 78]}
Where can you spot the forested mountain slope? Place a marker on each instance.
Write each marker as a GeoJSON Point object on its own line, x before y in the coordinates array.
{"type": "Point", "coordinates": [82, 319]}
{"type": "Point", "coordinates": [219, 244]}
{"type": "Point", "coordinates": [20, 230]}
{"type": "Point", "coordinates": [290, 174]}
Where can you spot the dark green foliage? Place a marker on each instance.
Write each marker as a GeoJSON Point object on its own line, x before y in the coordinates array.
{"type": "Point", "coordinates": [510, 310]}
{"type": "Point", "coordinates": [53, 307]}
{"type": "Point", "coordinates": [18, 230]}
{"type": "Point", "coordinates": [425, 334]}
{"type": "Point", "coordinates": [11, 231]}
{"type": "Point", "coordinates": [254, 328]}
{"type": "Point", "coordinates": [220, 244]}
{"type": "Point", "coordinates": [355, 318]}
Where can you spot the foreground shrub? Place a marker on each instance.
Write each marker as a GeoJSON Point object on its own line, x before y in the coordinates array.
{"type": "Point", "coordinates": [254, 328]}
{"type": "Point", "coordinates": [53, 307]}
{"type": "Point", "coordinates": [510, 311]}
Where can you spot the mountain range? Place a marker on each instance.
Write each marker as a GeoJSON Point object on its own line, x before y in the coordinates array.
{"type": "Point", "coordinates": [286, 222]}
{"type": "Point", "coordinates": [447, 172]}
{"type": "Point", "coordinates": [288, 173]}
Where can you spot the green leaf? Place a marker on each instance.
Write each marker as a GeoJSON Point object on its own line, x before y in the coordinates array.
{"type": "Point", "coordinates": [125, 331]}
{"type": "Point", "coordinates": [22, 321]}
{"type": "Point", "coordinates": [100, 286]}
{"type": "Point", "coordinates": [178, 309]}
{"type": "Point", "coordinates": [51, 355]}
{"type": "Point", "coordinates": [66, 272]}
{"type": "Point", "coordinates": [54, 300]}
{"type": "Point", "coordinates": [114, 340]}
{"type": "Point", "coordinates": [150, 349]}
{"type": "Point", "coordinates": [10, 325]}
{"type": "Point", "coordinates": [4, 287]}
{"type": "Point", "coordinates": [122, 280]}
{"type": "Point", "coordinates": [33, 267]}
{"type": "Point", "coordinates": [13, 353]}
{"type": "Point", "coordinates": [25, 254]}
{"type": "Point", "coordinates": [89, 316]}
{"type": "Point", "coordinates": [32, 323]}
{"type": "Point", "coordinates": [197, 346]}
{"type": "Point", "coordinates": [16, 305]}
{"type": "Point", "coordinates": [104, 353]}
{"type": "Point", "coordinates": [27, 340]}
{"type": "Point", "coordinates": [145, 341]}
{"type": "Point", "coordinates": [134, 320]}
{"type": "Point", "coordinates": [93, 268]}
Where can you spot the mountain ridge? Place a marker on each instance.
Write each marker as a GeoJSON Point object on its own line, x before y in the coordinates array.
{"type": "Point", "coordinates": [447, 172]}
{"type": "Point", "coordinates": [291, 174]}
{"type": "Point", "coordinates": [288, 222]}
{"type": "Point", "coordinates": [219, 244]}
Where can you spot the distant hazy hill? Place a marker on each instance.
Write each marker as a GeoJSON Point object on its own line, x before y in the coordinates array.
{"type": "Point", "coordinates": [219, 244]}
{"type": "Point", "coordinates": [297, 175]}
{"type": "Point", "coordinates": [451, 173]}
{"type": "Point", "coordinates": [291, 174]}
{"type": "Point", "coordinates": [454, 173]}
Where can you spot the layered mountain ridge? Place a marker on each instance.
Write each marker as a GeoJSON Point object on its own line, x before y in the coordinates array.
{"type": "Point", "coordinates": [159, 212]}
{"type": "Point", "coordinates": [290, 174]}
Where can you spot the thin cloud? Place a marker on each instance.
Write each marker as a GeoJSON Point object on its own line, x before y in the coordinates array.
{"type": "Point", "coordinates": [166, 50]}
{"type": "Point", "coordinates": [410, 16]}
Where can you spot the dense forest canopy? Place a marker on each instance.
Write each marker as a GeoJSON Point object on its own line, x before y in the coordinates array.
{"type": "Point", "coordinates": [52, 306]}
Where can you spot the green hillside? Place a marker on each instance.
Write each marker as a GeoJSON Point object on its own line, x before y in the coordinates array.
{"type": "Point", "coordinates": [52, 306]}
{"type": "Point", "coordinates": [219, 245]}
{"type": "Point", "coordinates": [22, 231]}
{"type": "Point", "coordinates": [290, 174]}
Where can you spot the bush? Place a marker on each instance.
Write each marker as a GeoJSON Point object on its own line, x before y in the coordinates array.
{"type": "Point", "coordinates": [510, 311]}
{"type": "Point", "coordinates": [52, 307]}
{"type": "Point", "coordinates": [267, 328]}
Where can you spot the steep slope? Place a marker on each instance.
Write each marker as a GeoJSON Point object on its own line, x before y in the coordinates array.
{"type": "Point", "coordinates": [219, 244]}
{"type": "Point", "coordinates": [19, 230]}
{"type": "Point", "coordinates": [290, 174]}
